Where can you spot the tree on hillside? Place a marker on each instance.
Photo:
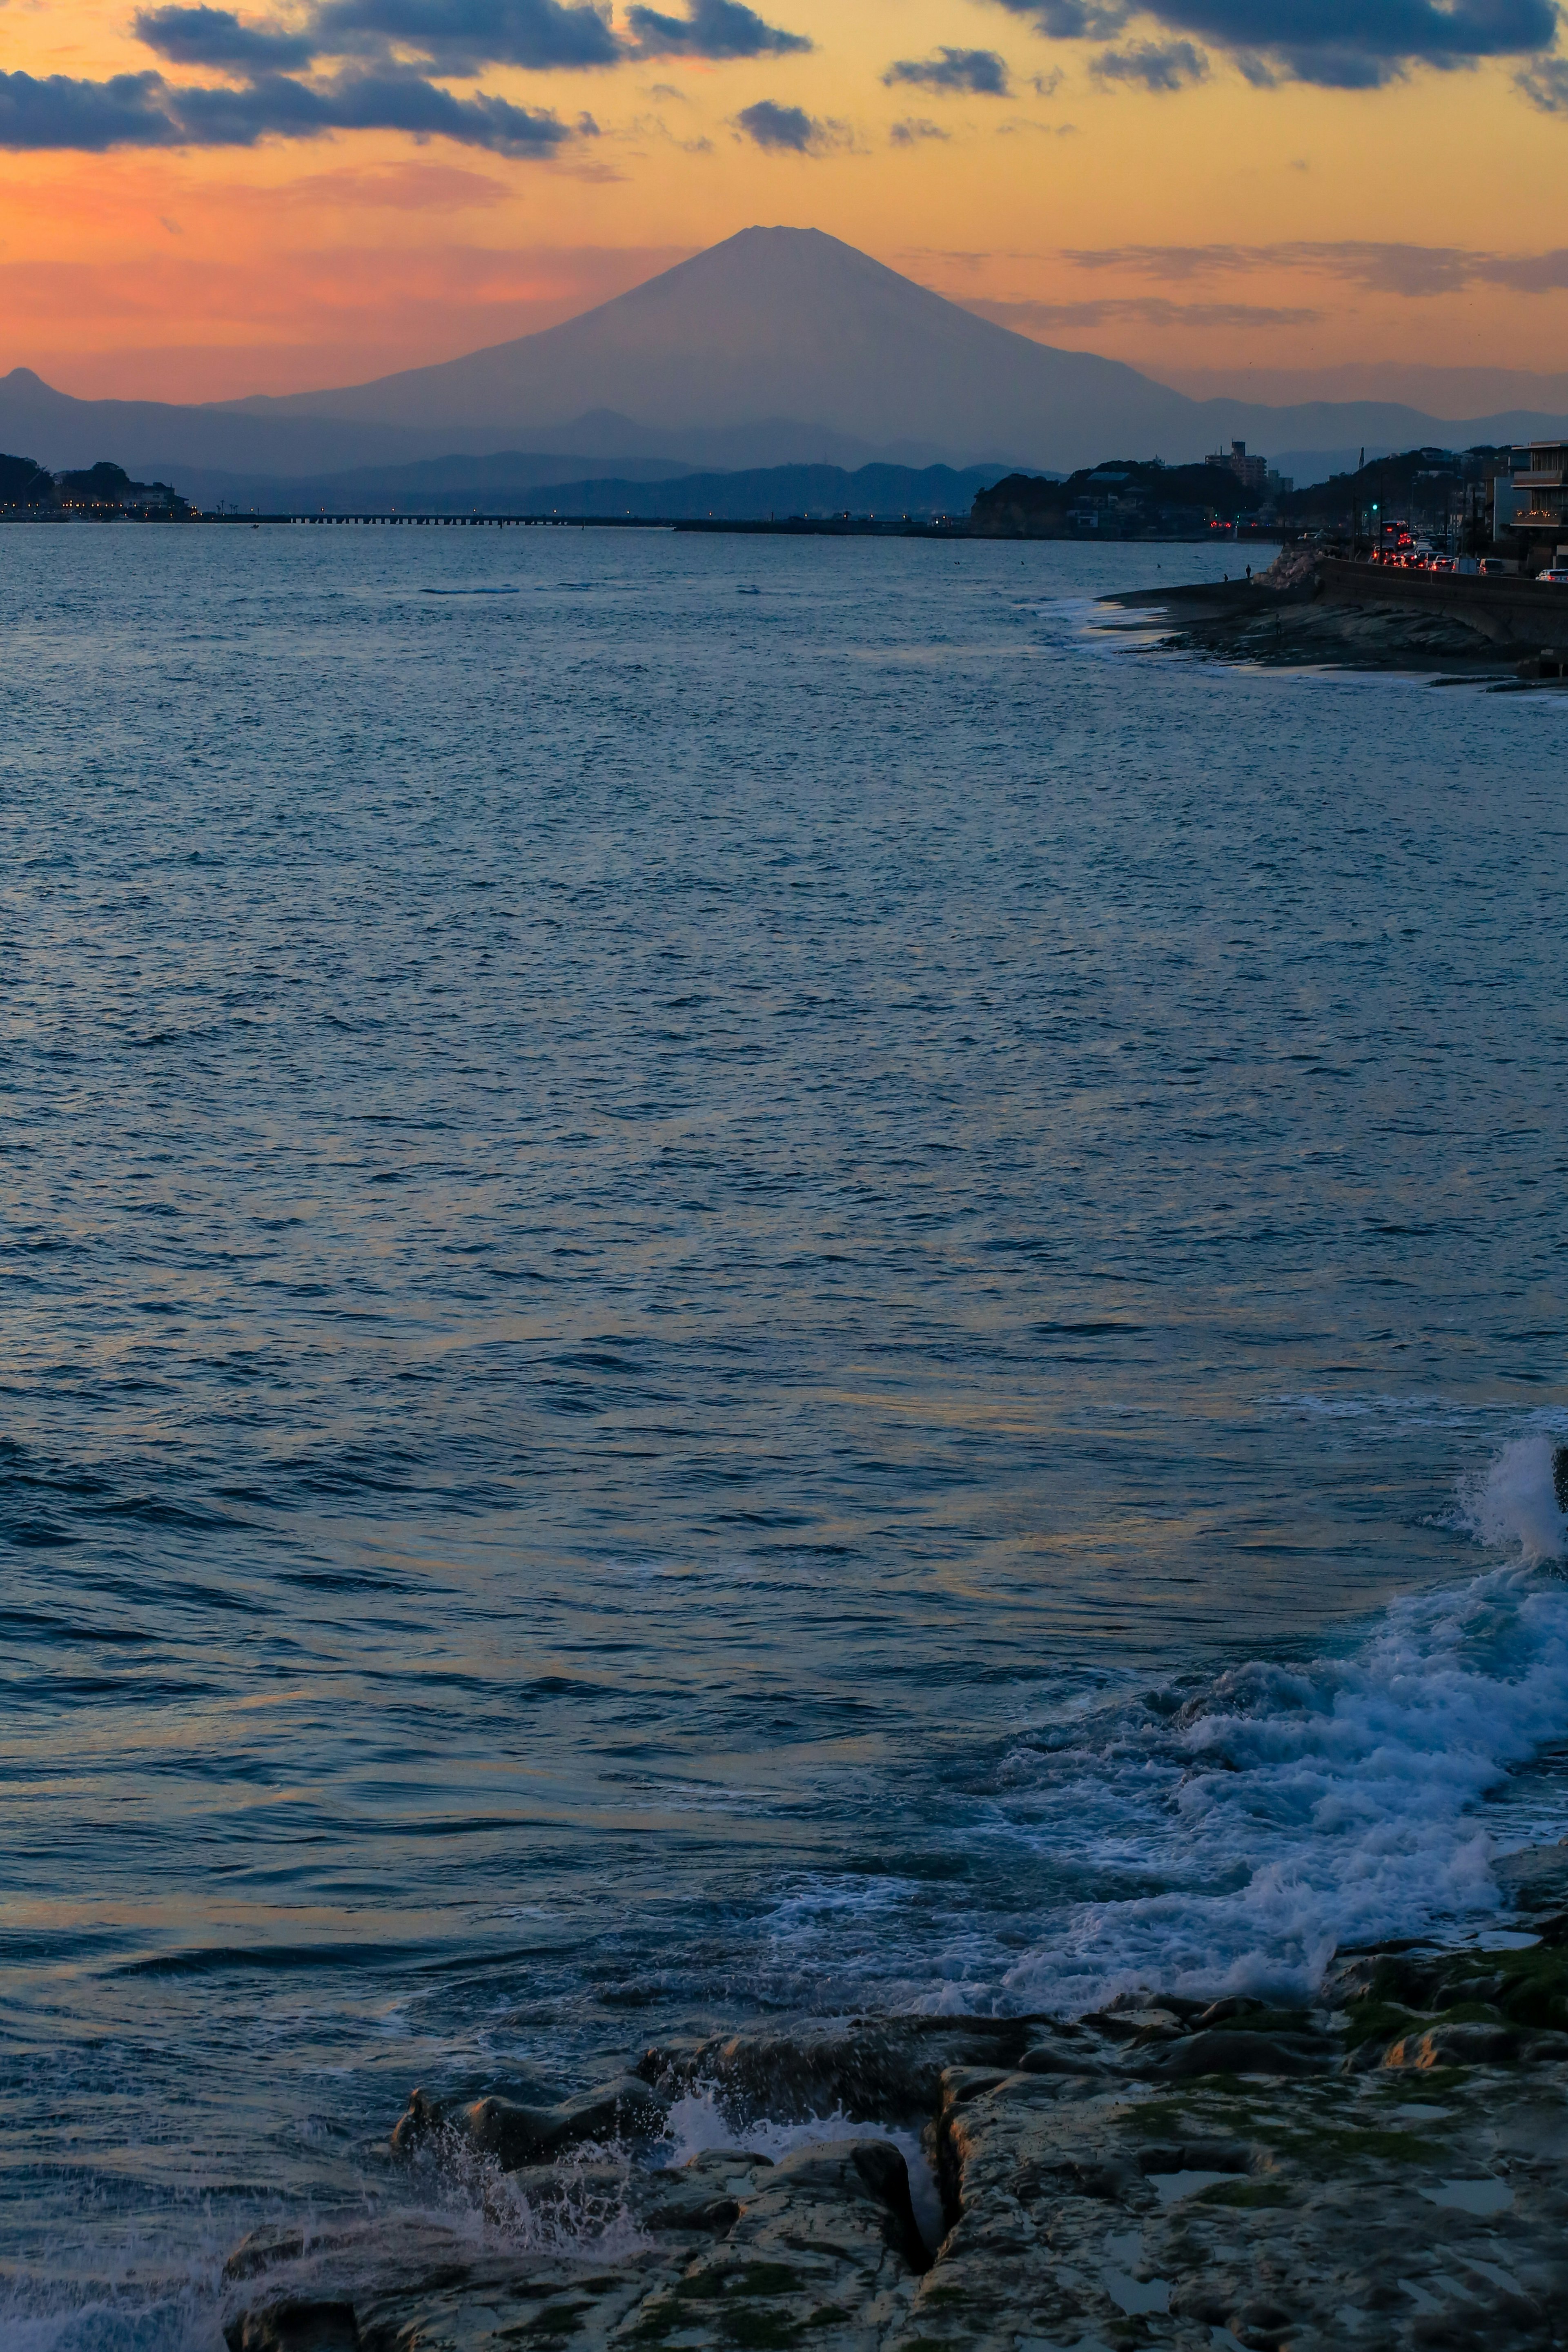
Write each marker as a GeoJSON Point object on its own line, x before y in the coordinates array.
{"type": "Point", "coordinates": [23, 483]}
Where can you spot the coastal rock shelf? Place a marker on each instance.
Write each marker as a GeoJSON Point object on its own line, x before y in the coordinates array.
{"type": "Point", "coordinates": [1387, 2170]}
{"type": "Point", "coordinates": [1313, 611]}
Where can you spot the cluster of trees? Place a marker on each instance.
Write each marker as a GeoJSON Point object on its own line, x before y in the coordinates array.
{"type": "Point", "coordinates": [100, 490]}
{"type": "Point", "coordinates": [1430, 488]}
{"type": "Point", "coordinates": [1127, 497]}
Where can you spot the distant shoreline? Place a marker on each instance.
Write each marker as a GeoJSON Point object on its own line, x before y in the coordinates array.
{"type": "Point", "coordinates": [788, 527]}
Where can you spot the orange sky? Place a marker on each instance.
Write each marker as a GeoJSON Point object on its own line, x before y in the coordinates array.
{"type": "Point", "coordinates": [1409, 223]}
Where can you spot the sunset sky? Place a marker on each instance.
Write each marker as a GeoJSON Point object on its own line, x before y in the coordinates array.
{"type": "Point", "coordinates": [1277, 196]}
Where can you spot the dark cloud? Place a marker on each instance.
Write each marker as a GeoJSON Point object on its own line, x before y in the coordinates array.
{"type": "Point", "coordinates": [915, 129]}
{"type": "Point", "coordinates": [1545, 84]}
{"type": "Point", "coordinates": [1154, 65]}
{"type": "Point", "coordinates": [214, 37]}
{"type": "Point", "coordinates": [979, 72]}
{"type": "Point", "coordinates": [787, 130]}
{"type": "Point", "coordinates": [1073, 20]}
{"type": "Point", "coordinates": [144, 111]}
{"type": "Point", "coordinates": [1347, 45]}
{"type": "Point", "coordinates": [1413, 270]}
{"type": "Point", "coordinates": [1337, 44]}
{"type": "Point", "coordinates": [1143, 309]}
{"type": "Point", "coordinates": [89, 116]}
{"type": "Point", "coordinates": [460, 37]}
{"type": "Point", "coordinates": [711, 28]}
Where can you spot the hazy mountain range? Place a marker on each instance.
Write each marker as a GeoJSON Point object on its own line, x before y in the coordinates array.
{"type": "Point", "coordinates": [780, 346]}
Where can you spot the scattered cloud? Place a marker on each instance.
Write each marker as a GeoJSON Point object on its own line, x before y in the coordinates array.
{"type": "Point", "coordinates": [1545, 84]}
{"type": "Point", "coordinates": [711, 28]}
{"type": "Point", "coordinates": [215, 36]}
{"type": "Point", "coordinates": [1154, 65]}
{"type": "Point", "coordinates": [979, 73]}
{"type": "Point", "coordinates": [1145, 310]}
{"type": "Point", "coordinates": [1416, 270]}
{"type": "Point", "coordinates": [392, 187]}
{"type": "Point", "coordinates": [1336, 44]}
{"type": "Point", "coordinates": [378, 66]}
{"type": "Point", "coordinates": [913, 129]}
{"type": "Point", "coordinates": [144, 111]}
{"type": "Point", "coordinates": [461, 37]}
{"type": "Point", "coordinates": [787, 130]}
{"type": "Point", "coordinates": [1074, 20]}
{"type": "Point", "coordinates": [1047, 85]}
{"type": "Point", "coordinates": [648, 128]}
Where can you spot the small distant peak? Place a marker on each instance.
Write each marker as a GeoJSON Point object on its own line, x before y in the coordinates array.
{"type": "Point", "coordinates": [779, 233]}
{"type": "Point", "coordinates": [21, 375]}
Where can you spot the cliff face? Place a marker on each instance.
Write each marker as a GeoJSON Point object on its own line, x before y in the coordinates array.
{"type": "Point", "coordinates": [1384, 2172]}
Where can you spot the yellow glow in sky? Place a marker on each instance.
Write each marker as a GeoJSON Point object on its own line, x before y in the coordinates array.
{"type": "Point", "coordinates": [189, 212]}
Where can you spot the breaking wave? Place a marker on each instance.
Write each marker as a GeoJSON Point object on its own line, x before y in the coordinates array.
{"type": "Point", "coordinates": [1290, 1810]}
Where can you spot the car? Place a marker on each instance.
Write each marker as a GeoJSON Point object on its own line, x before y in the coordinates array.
{"type": "Point", "coordinates": [1493, 566]}
{"type": "Point", "coordinates": [1557, 577]}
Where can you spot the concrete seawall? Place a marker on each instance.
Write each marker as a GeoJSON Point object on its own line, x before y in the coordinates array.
{"type": "Point", "coordinates": [1512, 611]}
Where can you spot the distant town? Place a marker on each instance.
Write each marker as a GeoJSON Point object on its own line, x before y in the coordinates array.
{"type": "Point", "coordinates": [1497, 508]}
{"type": "Point", "coordinates": [1500, 507]}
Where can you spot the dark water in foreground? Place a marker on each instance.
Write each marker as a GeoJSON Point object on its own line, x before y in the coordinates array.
{"type": "Point", "coordinates": [739, 1275]}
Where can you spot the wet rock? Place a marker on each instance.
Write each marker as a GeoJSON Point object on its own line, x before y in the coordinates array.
{"type": "Point", "coordinates": [1454, 2045]}
{"type": "Point", "coordinates": [294, 2327]}
{"type": "Point", "coordinates": [513, 2135]}
{"type": "Point", "coordinates": [821, 2250]}
{"type": "Point", "coordinates": [1232, 2181]}
{"type": "Point", "coordinates": [704, 2195]}
{"type": "Point", "coordinates": [869, 2069]}
{"type": "Point", "coordinates": [1135, 2022]}
{"type": "Point", "coordinates": [1226, 2050]}
{"type": "Point", "coordinates": [1059, 2058]}
{"type": "Point", "coordinates": [1536, 1878]}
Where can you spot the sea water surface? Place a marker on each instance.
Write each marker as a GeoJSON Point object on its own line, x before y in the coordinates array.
{"type": "Point", "coordinates": [741, 1277]}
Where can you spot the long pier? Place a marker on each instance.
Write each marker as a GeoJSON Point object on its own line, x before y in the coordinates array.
{"type": "Point", "coordinates": [777, 527]}
{"type": "Point", "coordinates": [469, 521]}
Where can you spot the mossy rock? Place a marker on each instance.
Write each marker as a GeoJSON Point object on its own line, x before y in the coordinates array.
{"type": "Point", "coordinates": [556, 2321]}
{"type": "Point", "coordinates": [761, 2331]}
{"type": "Point", "coordinates": [743, 2279]}
{"type": "Point", "coordinates": [1249, 2195]}
{"type": "Point", "coordinates": [1344, 2143]}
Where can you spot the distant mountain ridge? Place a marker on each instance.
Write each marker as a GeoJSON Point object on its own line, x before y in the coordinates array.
{"type": "Point", "coordinates": [462, 486]}
{"type": "Point", "coordinates": [779, 345]}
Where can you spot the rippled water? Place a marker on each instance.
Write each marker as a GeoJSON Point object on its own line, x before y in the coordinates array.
{"type": "Point", "coordinates": [725, 1301]}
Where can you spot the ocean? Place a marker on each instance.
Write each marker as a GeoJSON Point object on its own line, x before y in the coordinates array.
{"type": "Point", "coordinates": [744, 1278]}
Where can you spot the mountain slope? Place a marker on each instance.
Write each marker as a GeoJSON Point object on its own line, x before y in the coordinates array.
{"type": "Point", "coordinates": [780, 322]}
{"type": "Point", "coordinates": [779, 346]}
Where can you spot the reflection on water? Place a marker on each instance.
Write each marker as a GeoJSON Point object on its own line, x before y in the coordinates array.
{"type": "Point", "coordinates": [688, 1276]}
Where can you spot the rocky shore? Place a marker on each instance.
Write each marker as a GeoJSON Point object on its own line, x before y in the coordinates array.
{"type": "Point", "coordinates": [1385, 2168]}
{"type": "Point", "coordinates": [1282, 619]}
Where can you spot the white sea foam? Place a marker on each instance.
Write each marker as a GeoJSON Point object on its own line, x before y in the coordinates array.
{"type": "Point", "coordinates": [1290, 1810]}
{"type": "Point", "coordinates": [1513, 1501]}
